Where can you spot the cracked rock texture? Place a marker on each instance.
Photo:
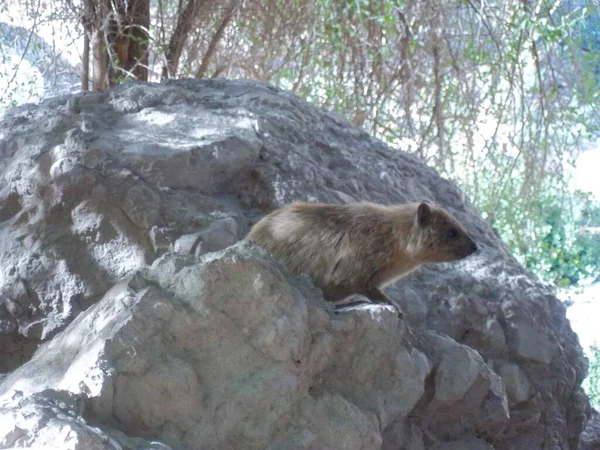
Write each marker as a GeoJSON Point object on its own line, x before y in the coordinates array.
{"type": "Point", "coordinates": [122, 223]}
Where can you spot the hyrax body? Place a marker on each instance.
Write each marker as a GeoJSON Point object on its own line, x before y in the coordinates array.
{"type": "Point", "coordinates": [359, 248]}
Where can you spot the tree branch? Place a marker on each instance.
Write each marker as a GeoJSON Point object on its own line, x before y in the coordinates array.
{"type": "Point", "coordinates": [212, 46]}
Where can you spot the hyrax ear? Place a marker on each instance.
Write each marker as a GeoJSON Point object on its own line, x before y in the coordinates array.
{"type": "Point", "coordinates": [423, 214]}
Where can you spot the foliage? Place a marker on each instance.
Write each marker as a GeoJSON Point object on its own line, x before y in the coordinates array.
{"type": "Point", "coordinates": [563, 248]}
{"type": "Point", "coordinates": [591, 384]}
{"type": "Point", "coordinates": [31, 62]}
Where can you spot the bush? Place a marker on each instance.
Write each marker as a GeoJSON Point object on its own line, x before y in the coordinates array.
{"type": "Point", "coordinates": [591, 384]}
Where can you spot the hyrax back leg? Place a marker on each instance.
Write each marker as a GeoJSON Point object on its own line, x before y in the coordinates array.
{"type": "Point", "coordinates": [377, 296]}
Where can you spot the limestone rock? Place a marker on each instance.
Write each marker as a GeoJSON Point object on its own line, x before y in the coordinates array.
{"type": "Point", "coordinates": [461, 388]}
{"type": "Point", "coordinates": [224, 352]}
{"type": "Point", "coordinates": [218, 235]}
{"type": "Point", "coordinates": [144, 182]}
{"type": "Point", "coordinates": [590, 438]}
{"type": "Point", "coordinates": [516, 382]}
{"type": "Point", "coordinates": [53, 419]}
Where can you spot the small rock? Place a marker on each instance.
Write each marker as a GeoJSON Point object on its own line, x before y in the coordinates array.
{"type": "Point", "coordinates": [218, 235]}
{"type": "Point", "coordinates": [490, 337]}
{"type": "Point", "coordinates": [516, 382]}
{"type": "Point", "coordinates": [458, 373]}
{"type": "Point", "coordinates": [62, 168]}
{"type": "Point", "coordinates": [160, 238]}
{"type": "Point", "coordinates": [186, 243]}
{"type": "Point", "coordinates": [142, 206]}
{"type": "Point", "coordinates": [93, 158]}
{"type": "Point", "coordinates": [532, 343]}
{"type": "Point", "coordinates": [13, 308]}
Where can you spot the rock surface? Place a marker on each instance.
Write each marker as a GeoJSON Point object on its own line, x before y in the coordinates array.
{"type": "Point", "coordinates": [590, 438]}
{"type": "Point", "coordinates": [197, 349]}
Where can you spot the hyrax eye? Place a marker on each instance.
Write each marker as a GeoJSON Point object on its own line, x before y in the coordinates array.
{"type": "Point", "coordinates": [452, 233]}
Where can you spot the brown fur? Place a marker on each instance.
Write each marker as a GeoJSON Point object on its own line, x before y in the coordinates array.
{"type": "Point", "coordinates": [359, 248]}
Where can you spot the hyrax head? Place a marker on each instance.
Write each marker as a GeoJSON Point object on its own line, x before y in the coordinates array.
{"type": "Point", "coordinates": [444, 238]}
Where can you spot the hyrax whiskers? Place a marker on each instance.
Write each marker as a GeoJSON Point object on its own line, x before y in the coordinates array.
{"type": "Point", "coordinates": [359, 248]}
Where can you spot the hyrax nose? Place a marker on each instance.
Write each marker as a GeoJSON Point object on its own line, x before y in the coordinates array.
{"type": "Point", "coordinates": [474, 247]}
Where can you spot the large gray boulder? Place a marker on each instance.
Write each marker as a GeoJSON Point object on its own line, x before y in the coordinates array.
{"type": "Point", "coordinates": [225, 351]}
{"type": "Point", "coordinates": [120, 219]}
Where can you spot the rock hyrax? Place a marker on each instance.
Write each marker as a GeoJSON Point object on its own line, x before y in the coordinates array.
{"type": "Point", "coordinates": [359, 248]}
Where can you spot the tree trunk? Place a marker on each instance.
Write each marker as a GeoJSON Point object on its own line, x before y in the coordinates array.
{"type": "Point", "coordinates": [85, 72]}
{"type": "Point", "coordinates": [100, 64]}
{"type": "Point", "coordinates": [185, 20]}
{"type": "Point", "coordinates": [93, 20]}
{"type": "Point", "coordinates": [117, 32]}
{"type": "Point", "coordinates": [128, 40]}
{"type": "Point", "coordinates": [93, 17]}
{"type": "Point", "coordinates": [212, 46]}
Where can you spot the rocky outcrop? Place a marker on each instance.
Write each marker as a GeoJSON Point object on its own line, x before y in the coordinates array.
{"type": "Point", "coordinates": [123, 216]}
{"type": "Point", "coordinates": [229, 343]}
{"type": "Point", "coordinates": [590, 438]}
